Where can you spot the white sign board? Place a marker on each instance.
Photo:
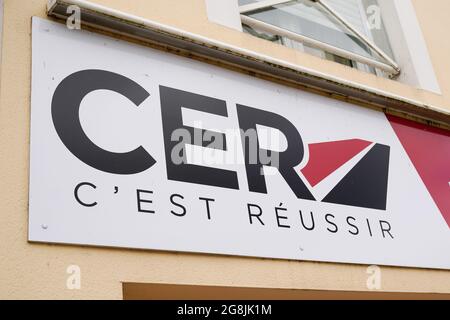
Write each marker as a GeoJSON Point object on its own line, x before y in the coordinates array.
{"type": "Point", "coordinates": [138, 148]}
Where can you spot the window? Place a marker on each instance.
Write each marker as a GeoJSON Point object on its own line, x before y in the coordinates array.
{"type": "Point", "coordinates": [350, 32]}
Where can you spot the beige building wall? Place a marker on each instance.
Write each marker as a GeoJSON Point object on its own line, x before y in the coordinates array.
{"type": "Point", "coordinates": [29, 270]}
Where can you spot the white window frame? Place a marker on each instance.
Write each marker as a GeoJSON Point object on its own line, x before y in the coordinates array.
{"type": "Point", "coordinates": [409, 46]}
{"type": "Point", "coordinates": [403, 30]}
{"type": "Point", "coordinates": [224, 12]}
{"type": "Point", "coordinates": [387, 64]}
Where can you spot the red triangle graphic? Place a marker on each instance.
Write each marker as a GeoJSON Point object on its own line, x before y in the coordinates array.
{"type": "Point", "coordinates": [429, 151]}
{"type": "Point", "coordinates": [327, 157]}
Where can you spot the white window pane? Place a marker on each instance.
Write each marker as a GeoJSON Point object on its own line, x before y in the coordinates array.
{"type": "Point", "coordinates": [309, 19]}
{"type": "Point", "coordinates": [357, 12]}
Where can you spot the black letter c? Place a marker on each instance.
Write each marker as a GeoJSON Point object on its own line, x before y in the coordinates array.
{"type": "Point", "coordinates": [65, 113]}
